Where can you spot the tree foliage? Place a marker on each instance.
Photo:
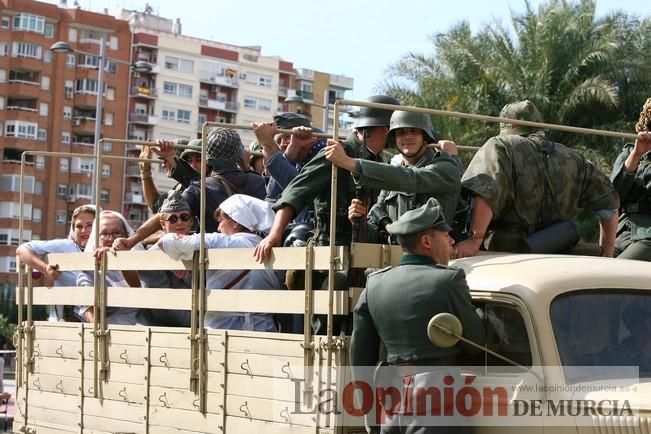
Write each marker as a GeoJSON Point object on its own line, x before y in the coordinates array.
{"type": "Point", "coordinates": [578, 68]}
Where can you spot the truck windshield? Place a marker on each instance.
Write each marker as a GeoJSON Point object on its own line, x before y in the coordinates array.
{"type": "Point", "coordinates": [603, 327]}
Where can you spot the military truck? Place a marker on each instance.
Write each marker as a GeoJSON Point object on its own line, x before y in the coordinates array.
{"type": "Point", "coordinates": [539, 311]}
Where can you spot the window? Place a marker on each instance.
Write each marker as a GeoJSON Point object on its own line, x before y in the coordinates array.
{"type": "Point", "coordinates": [113, 42]}
{"type": "Point", "coordinates": [104, 196]}
{"type": "Point", "coordinates": [69, 89]}
{"type": "Point", "coordinates": [42, 134]}
{"type": "Point", "coordinates": [27, 49]}
{"type": "Point", "coordinates": [108, 147]}
{"type": "Point", "coordinates": [45, 82]}
{"type": "Point", "coordinates": [259, 79]}
{"type": "Point", "coordinates": [62, 190]}
{"type": "Point", "coordinates": [38, 187]}
{"type": "Point", "coordinates": [250, 102]}
{"type": "Point", "coordinates": [506, 334]}
{"type": "Point", "coordinates": [4, 49]}
{"type": "Point", "coordinates": [171, 62]}
{"type": "Point", "coordinates": [43, 108]}
{"type": "Point", "coordinates": [106, 170]}
{"type": "Point", "coordinates": [72, 35]}
{"type": "Point", "coordinates": [108, 118]}
{"type": "Point", "coordinates": [37, 213]}
{"type": "Point", "coordinates": [67, 112]}
{"type": "Point", "coordinates": [61, 217]}
{"type": "Point", "coordinates": [70, 60]}
{"type": "Point", "coordinates": [5, 22]}
{"type": "Point", "coordinates": [11, 210]}
{"type": "Point", "coordinates": [264, 104]}
{"type": "Point", "coordinates": [65, 138]}
{"type": "Point", "coordinates": [168, 114]}
{"type": "Point", "coordinates": [110, 94]}
{"type": "Point", "coordinates": [169, 88]}
{"type": "Point", "coordinates": [49, 30]}
{"type": "Point", "coordinates": [21, 129]}
{"type": "Point", "coordinates": [176, 64]}
{"type": "Point", "coordinates": [185, 90]}
{"type": "Point", "coordinates": [2, 105]}
{"type": "Point", "coordinates": [183, 116]}
{"type": "Point", "coordinates": [64, 164]}
{"type": "Point", "coordinates": [47, 56]}
{"type": "Point", "coordinates": [86, 85]}
{"type": "Point", "coordinates": [40, 162]}
{"type": "Point", "coordinates": [29, 23]}
{"type": "Point", "coordinates": [11, 183]}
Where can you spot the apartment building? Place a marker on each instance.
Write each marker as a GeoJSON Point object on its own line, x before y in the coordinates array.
{"type": "Point", "coordinates": [47, 103]}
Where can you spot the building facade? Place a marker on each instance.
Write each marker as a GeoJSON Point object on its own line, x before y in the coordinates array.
{"type": "Point", "coordinates": [47, 103]}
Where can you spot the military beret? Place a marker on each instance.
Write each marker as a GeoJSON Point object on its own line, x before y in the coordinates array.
{"type": "Point", "coordinates": [186, 152]}
{"type": "Point", "coordinates": [289, 120]}
{"type": "Point", "coordinates": [174, 202]}
{"type": "Point", "coordinates": [522, 111]}
{"type": "Point", "coordinates": [428, 216]}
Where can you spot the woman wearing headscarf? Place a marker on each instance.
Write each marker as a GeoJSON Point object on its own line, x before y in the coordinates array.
{"type": "Point", "coordinates": [240, 218]}
{"type": "Point", "coordinates": [632, 179]}
{"type": "Point", "coordinates": [112, 225]}
{"type": "Point", "coordinates": [33, 252]}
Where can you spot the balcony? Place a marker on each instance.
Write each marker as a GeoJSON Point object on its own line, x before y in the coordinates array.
{"type": "Point", "coordinates": [23, 89]}
{"type": "Point", "coordinates": [306, 95]}
{"type": "Point", "coordinates": [282, 91]}
{"type": "Point", "coordinates": [143, 92]}
{"type": "Point", "coordinates": [135, 198]}
{"type": "Point", "coordinates": [213, 104]}
{"type": "Point", "coordinates": [219, 80]}
{"type": "Point", "coordinates": [142, 118]}
{"type": "Point", "coordinates": [83, 125]}
{"type": "Point", "coordinates": [133, 171]}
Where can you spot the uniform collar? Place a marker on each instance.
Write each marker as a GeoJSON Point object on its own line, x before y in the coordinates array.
{"type": "Point", "coordinates": [409, 259]}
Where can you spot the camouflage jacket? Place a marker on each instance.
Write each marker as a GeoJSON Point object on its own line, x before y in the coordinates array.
{"type": "Point", "coordinates": [635, 195]}
{"type": "Point", "coordinates": [312, 185]}
{"type": "Point", "coordinates": [435, 174]}
{"type": "Point", "coordinates": [533, 182]}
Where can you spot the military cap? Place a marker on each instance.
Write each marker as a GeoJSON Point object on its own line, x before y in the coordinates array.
{"type": "Point", "coordinates": [428, 216]}
{"type": "Point", "coordinates": [174, 202]}
{"type": "Point", "coordinates": [224, 144]}
{"type": "Point", "coordinates": [289, 120]}
{"type": "Point", "coordinates": [522, 111]}
{"type": "Point", "coordinates": [186, 152]}
{"type": "Point", "coordinates": [255, 151]}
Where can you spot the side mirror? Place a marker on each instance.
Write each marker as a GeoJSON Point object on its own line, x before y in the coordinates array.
{"type": "Point", "coordinates": [444, 330]}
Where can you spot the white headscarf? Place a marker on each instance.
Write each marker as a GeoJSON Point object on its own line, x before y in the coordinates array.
{"type": "Point", "coordinates": [254, 214]}
{"type": "Point", "coordinates": [92, 242]}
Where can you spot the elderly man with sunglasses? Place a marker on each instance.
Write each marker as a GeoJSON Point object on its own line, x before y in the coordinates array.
{"type": "Point", "coordinates": [175, 218]}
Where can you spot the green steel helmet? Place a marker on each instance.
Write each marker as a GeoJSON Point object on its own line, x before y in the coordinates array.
{"type": "Point", "coordinates": [374, 117]}
{"type": "Point", "coordinates": [523, 111]}
{"type": "Point", "coordinates": [422, 121]}
{"type": "Point", "coordinates": [186, 152]}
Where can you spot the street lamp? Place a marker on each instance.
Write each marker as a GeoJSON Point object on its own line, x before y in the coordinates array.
{"type": "Point", "coordinates": [325, 106]}
{"type": "Point", "coordinates": [140, 66]}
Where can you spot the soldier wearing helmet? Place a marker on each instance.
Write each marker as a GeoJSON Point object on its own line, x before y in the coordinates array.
{"type": "Point", "coordinates": [522, 183]}
{"type": "Point", "coordinates": [423, 173]}
{"type": "Point", "coordinates": [312, 184]}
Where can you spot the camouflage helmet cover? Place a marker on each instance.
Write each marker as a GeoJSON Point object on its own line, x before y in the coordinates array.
{"type": "Point", "coordinates": [374, 117]}
{"type": "Point", "coordinates": [224, 144]}
{"type": "Point", "coordinates": [523, 111]}
{"type": "Point", "coordinates": [402, 119]}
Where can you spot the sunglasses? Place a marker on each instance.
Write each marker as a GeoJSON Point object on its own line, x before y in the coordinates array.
{"type": "Point", "coordinates": [183, 217]}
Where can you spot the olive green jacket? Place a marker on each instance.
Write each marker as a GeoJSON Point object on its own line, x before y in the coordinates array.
{"type": "Point", "coordinates": [634, 193]}
{"type": "Point", "coordinates": [396, 306]}
{"type": "Point", "coordinates": [435, 174]}
{"type": "Point", "coordinates": [312, 185]}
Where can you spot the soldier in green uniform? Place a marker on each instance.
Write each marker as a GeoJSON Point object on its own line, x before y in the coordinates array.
{"type": "Point", "coordinates": [312, 184]}
{"type": "Point", "coordinates": [397, 303]}
{"type": "Point", "coordinates": [423, 173]}
{"type": "Point", "coordinates": [522, 183]}
{"type": "Point", "coordinates": [632, 179]}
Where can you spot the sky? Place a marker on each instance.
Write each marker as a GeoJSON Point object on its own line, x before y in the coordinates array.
{"type": "Point", "coordinates": [355, 38]}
